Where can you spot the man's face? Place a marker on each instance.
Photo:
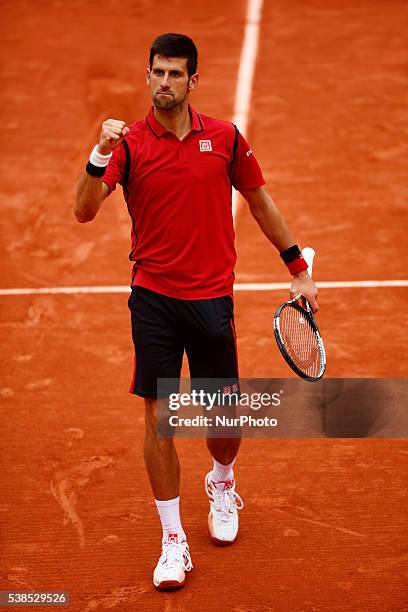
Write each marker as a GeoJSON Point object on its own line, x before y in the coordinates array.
{"type": "Point", "coordinates": [169, 82]}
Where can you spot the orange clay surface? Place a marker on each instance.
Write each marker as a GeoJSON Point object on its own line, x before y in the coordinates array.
{"type": "Point", "coordinates": [324, 525]}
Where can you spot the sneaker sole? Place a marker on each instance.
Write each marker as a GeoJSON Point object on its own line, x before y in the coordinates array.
{"type": "Point", "coordinates": [221, 542]}
{"type": "Point", "coordinates": [169, 585]}
{"type": "Point", "coordinates": [218, 542]}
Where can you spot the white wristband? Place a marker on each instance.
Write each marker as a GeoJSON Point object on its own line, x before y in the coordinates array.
{"type": "Point", "coordinates": [97, 159]}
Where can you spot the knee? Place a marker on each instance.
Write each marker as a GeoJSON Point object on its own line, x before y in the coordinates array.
{"type": "Point", "coordinates": [157, 424]}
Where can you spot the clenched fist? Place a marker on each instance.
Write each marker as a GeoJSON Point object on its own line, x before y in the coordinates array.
{"type": "Point", "coordinates": [112, 133]}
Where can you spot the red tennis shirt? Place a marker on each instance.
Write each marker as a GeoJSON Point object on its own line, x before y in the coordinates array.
{"type": "Point", "coordinates": [179, 199]}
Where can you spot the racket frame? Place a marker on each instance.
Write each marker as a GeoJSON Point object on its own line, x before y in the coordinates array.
{"type": "Point", "coordinates": [305, 311]}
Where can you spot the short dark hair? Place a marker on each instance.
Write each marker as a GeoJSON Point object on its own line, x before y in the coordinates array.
{"type": "Point", "coordinates": [175, 45]}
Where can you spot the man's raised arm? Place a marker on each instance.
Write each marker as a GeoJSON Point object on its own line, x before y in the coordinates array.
{"type": "Point", "coordinates": [91, 190]}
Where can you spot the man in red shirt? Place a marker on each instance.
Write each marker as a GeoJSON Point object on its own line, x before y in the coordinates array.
{"type": "Point", "coordinates": [176, 168]}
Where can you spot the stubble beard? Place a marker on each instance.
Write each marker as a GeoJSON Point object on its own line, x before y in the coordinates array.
{"type": "Point", "coordinates": [168, 102]}
{"type": "Point", "coordinates": [164, 102]}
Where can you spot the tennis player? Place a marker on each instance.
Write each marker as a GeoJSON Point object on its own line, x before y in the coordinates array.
{"type": "Point", "coordinates": [176, 168]}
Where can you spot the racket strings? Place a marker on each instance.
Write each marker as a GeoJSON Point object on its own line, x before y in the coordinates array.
{"type": "Point", "coordinates": [300, 340]}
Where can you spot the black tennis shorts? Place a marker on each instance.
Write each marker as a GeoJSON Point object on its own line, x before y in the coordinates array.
{"type": "Point", "coordinates": [164, 327]}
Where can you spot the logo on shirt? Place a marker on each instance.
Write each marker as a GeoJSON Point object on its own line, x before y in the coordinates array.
{"type": "Point", "coordinates": [205, 145]}
{"type": "Point", "coordinates": [248, 153]}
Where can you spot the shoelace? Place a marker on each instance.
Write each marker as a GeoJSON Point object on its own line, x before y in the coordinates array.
{"type": "Point", "coordinates": [173, 553]}
{"type": "Point", "coordinates": [225, 501]}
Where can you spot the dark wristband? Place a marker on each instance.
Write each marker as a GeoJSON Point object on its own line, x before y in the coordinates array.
{"type": "Point", "coordinates": [95, 170]}
{"type": "Point", "coordinates": [291, 254]}
{"type": "Point", "coordinates": [297, 265]}
{"type": "Point", "coordinates": [293, 258]}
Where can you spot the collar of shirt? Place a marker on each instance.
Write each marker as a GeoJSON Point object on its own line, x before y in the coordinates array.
{"type": "Point", "coordinates": [197, 123]}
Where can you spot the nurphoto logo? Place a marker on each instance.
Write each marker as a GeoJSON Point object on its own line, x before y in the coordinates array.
{"type": "Point", "coordinates": [205, 145]}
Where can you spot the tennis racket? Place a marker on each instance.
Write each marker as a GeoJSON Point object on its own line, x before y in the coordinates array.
{"type": "Point", "coordinates": [297, 335]}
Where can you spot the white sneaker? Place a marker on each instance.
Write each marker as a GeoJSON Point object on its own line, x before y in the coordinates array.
{"type": "Point", "coordinates": [174, 561]}
{"type": "Point", "coordinates": [223, 516]}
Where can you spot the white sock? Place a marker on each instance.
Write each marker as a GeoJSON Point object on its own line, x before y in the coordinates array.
{"type": "Point", "coordinates": [169, 511]}
{"type": "Point", "coordinates": [221, 472]}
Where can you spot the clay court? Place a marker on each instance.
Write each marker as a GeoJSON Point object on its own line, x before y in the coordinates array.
{"type": "Point", "coordinates": [324, 526]}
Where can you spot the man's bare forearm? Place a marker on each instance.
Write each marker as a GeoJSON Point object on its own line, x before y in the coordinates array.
{"type": "Point", "coordinates": [91, 192]}
{"type": "Point", "coordinates": [269, 219]}
{"type": "Point", "coordinates": [273, 225]}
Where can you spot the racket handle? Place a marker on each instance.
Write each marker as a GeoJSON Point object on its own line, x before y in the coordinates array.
{"type": "Point", "coordinates": [308, 255]}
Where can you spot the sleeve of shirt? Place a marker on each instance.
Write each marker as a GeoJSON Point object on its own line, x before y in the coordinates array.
{"type": "Point", "coordinates": [245, 170]}
{"type": "Point", "coordinates": [115, 168]}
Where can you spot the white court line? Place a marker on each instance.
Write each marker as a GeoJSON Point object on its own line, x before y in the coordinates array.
{"type": "Point", "coordinates": [322, 285]}
{"type": "Point", "coordinates": [367, 284]}
{"type": "Point", "coordinates": [246, 71]}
